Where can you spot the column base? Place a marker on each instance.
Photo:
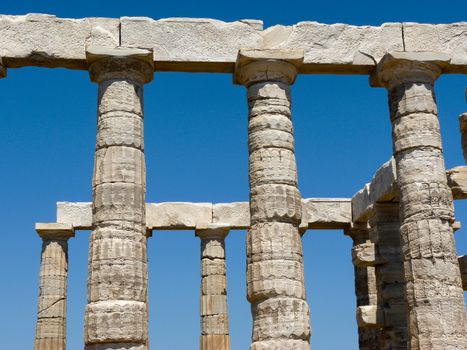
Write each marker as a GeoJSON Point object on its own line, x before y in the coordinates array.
{"type": "Point", "coordinates": [214, 342]}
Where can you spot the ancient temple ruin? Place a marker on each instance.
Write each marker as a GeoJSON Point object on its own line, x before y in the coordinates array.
{"type": "Point", "coordinates": [409, 280]}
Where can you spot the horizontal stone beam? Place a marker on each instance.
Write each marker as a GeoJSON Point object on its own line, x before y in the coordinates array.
{"type": "Point", "coordinates": [208, 45]}
{"type": "Point", "coordinates": [383, 188]}
{"type": "Point", "coordinates": [317, 214]}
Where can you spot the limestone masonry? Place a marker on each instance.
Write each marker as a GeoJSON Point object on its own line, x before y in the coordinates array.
{"type": "Point", "coordinates": [409, 279]}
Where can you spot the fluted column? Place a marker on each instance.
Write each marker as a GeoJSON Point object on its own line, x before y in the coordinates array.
{"type": "Point", "coordinates": [51, 314]}
{"type": "Point", "coordinates": [117, 311]}
{"type": "Point", "coordinates": [389, 271]}
{"type": "Point", "coordinates": [435, 299]}
{"type": "Point", "coordinates": [275, 277]}
{"type": "Point", "coordinates": [365, 286]}
{"type": "Point", "coordinates": [213, 303]}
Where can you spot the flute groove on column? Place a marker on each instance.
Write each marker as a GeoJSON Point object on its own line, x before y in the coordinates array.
{"type": "Point", "coordinates": [275, 277]}
{"type": "Point", "coordinates": [117, 311]}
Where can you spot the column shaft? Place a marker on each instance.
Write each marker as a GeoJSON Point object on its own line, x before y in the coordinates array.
{"type": "Point", "coordinates": [435, 300]}
{"type": "Point", "coordinates": [365, 288]}
{"type": "Point", "coordinates": [389, 271]}
{"type": "Point", "coordinates": [213, 302]}
{"type": "Point", "coordinates": [117, 312]}
{"type": "Point", "coordinates": [275, 276]}
{"type": "Point", "coordinates": [51, 315]}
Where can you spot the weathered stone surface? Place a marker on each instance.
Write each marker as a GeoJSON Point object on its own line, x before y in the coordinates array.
{"type": "Point", "coordinates": [383, 188]}
{"type": "Point", "coordinates": [329, 46]}
{"type": "Point", "coordinates": [205, 44]}
{"type": "Point", "coordinates": [326, 213]}
{"type": "Point", "coordinates": [433, 288]}
{"type": "Point", "coordinates": [463, 130]}
{"type": "Point", "coordinates": [209, 45]}
{"type": "Point", "coordinates": [236, 214]}
{"type": "Point", "coordinates": [214, 342]}
{"type": "Point", "coordinates": [51, 313]}
{"type": "Point", "coordinates": [370, 316]}
{"type": "Point", "coordinates": [45, 40]}
{"type": "Point", "coordinates": [463, 267]}
{"type": "Point", "coordinates": [364, 254]}
{"type": "Point", "coordinates": [77, 214]}
{"type": "Point", "coordinates": [178, 215]}
{"type": "Point", "coordinates": [448, 38]}
{"type": "Point", "coordinates": [457, 180]}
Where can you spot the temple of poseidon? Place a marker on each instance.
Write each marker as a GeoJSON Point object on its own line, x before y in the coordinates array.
{"type": "Point", "coordinates": [409, 279]}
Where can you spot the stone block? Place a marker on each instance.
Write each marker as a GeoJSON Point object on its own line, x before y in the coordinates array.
{"type": "Point", "coordinates": [178, 215]}
{"type": "Point", "coordinates": [45, 40]}
{"type": "Point", "coordinates": [281, 318]}
{"type": "Point", "coordinates": [213, 305]}
{"type": "Point", "coordinates": [357, 48]}
{"type": "Point", "coordinates": [215, 342]}
{"type": "Point", "coordinates": [364, 254]}
{"type": "Point", "coordinates": [215, 324]}
{"type": "Point", "coordinates": [447, 38]}
{"type": "Point", "coordinates": [236, 214]}
{"type": "Point", "coordinates": [457, 180]}
{"type": "Point", "coordinates": [370, 316]}
{"type": "Point", "coordinates": [77, 214]}
{"type": "Point", "coordinates": [191, 44]}
{"type": "Point", "coordinates": [326, 213]}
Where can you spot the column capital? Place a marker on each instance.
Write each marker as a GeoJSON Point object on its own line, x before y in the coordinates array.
{"type": "Point", "coordinates": [401, 67]}
{"type": "Point", "coordinates": [55, 231]}
{"type": "Point", "coordinates": [212, 231]}
{"type": "Point", "coordinates": [358, 231]}
{"type": "Point", "coordinates": [115, 63]}
{"type": "Point", "coordinates": [257, 65]}
{"type": "Point", "coordinates": [2, 69]}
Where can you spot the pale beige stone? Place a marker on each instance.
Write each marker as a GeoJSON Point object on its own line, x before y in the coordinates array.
{"type": "Point", "coordinates": [463, 268]}
{"type": "Point", "coordinates": [178, 215]}
{"type": "Point", "coordinates": [205, 44]}
{"type": "Point", "coordinates": [364, 254]}
{"type": "Point", "coordinates": [326, 213]}
{"type": "Point", "coordinates": [433, 287]}
{"type": "Point", "coordinates": [45, 40]}
{"type": "Point", "coordinates": [51, 313]}
{"type": "Point", "coordinates": [236, 214]}
{"type": "Point", "coordinates": [370, 316]}
{"type": "Point", "coordinates": [214, 342]}
{"type": "Point", "coordinates": [457, 181]}
{"type": "Point", "coordinates": [448, 38]}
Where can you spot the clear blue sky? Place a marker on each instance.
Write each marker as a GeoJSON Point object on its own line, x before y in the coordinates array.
{"type": "Point", "coordinates": [196, 138]}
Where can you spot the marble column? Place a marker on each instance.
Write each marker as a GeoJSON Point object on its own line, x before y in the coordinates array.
{"type": "Point", "coordinates": [117, 310]}
{"type": "Point", "coordinates": [275, 277]}
{"type": "Point", "coordinates": [365, 286]}
{"type": "Point", "coordinates": [389, 271]}
{"type": "Point", "coordinates": [435, 299]}
{"type": "Point", "coordinates": [51, 314]}
{"type": "Point", "coordinates": [213, 302]}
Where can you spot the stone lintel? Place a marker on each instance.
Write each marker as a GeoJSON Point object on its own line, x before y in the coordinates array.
{"type": "Point", "coordinates": [383, 188]}
{"type": "Point", "coordinates": [413, 61]}
{"type": "Point", "coordinates": [318, 213]}
{"type": "Point", "coordinates": [370, 316]}
{"type": "Point", "coordinates": [57, 231]}
{"type": "Point", "coordinates": [463, 268]}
